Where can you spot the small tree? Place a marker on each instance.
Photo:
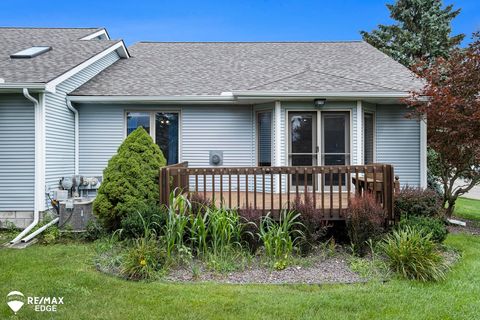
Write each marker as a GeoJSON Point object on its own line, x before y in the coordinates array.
{"type": "Point", "coordinates": [422, 31]}
{"type": "Point", "coordinates": [130, 181]}
{"type": "Point", "coordinates": [450, 101]}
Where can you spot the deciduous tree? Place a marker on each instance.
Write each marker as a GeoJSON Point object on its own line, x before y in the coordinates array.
{"type": "Point", "coordinates": [450, 102]}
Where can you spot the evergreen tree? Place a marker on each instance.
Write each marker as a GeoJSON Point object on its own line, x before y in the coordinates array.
{"type": "Point", "coordinates": [130, 181]}
{"type": "Point", "coordinates": [422, 32]}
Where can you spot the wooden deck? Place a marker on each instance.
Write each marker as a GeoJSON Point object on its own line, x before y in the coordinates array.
{"type": "Point", "coordinates": [327, 188]}
{"type": "Point", "coordinates": [273, 202]}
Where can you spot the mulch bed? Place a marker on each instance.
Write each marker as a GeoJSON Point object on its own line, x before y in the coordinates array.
{"type": "Point", "coordinates": [323, 270]}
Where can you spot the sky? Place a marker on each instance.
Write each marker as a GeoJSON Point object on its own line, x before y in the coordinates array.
{"type": "Point", "coordinates": [245, 20]}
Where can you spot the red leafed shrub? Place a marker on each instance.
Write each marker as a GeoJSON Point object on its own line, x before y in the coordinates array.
{"type": "Point", "coordinates": [412, 201]}
{"type": "Point", "coordinates": [199, 203]}
{"type": "Point", "coordinates": [365, 220]}
{"type": "Point", "coordinates": [314, 227]}
{"type": "Point", "coordinates": [251, 217]}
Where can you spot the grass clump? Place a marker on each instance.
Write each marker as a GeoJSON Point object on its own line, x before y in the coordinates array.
{"type": "Point", "coordinates": [414, 255]}
{"type": "Point", "coordinates": [280, 238]}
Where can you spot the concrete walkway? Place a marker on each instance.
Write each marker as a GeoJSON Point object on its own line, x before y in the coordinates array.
{"type": "Point", "coordinates": [473, 194]}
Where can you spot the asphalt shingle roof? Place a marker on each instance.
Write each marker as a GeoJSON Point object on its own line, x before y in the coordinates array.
{"type": "Point", "coordinates": [67, 52]}
{"type": "Point", "coordinates": [169, 69]}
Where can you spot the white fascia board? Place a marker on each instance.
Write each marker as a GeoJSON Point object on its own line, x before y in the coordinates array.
{"type": "Point", "coordinates": [119, 47]}
{"type": "Point", "coordinates": [153, 99]}
{"type": "Point", "coordinates": [98, 33]}
{"type": "Point", "coordinates": [341, 94]}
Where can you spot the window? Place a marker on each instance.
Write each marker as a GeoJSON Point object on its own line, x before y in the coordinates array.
{"type": "Point", "coordinates": [30, 52]}
{"type": "Point", "coordinates": [264, 138]}
{"type": "Point", "coordinates": [138, 119]}
{"type": "Point", "coordinates": [163, 127]}
{"type": "Point", "coordinates": [368, 137]}
{"type": "Point", "coordinates": [166, 135]}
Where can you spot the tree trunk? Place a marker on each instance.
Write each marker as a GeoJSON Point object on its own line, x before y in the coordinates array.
{"type": "Point", "coordinates": [450, 207]}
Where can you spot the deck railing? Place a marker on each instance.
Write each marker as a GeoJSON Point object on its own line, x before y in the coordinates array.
{"type": "Point", "coordinates": [269, 189]}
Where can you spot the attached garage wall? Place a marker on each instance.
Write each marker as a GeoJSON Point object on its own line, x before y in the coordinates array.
{"type": "Point", "coordinates": [17, 157]}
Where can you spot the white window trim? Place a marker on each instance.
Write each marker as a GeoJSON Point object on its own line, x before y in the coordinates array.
{"type": "Point", "coordinates": [152, 124]}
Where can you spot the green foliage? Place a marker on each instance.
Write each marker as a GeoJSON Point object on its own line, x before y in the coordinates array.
{"type": "Point", "coordinates": [175, 230]}
{"type": "Point", "coordinates": [144, 258]}
{"type": "Point", "coordinates": [414, 255]}
{"type": "Point", "coordinates": [433, 171]}
{"type": "Point", "coordinates": [422, 31]}
{"type": "Point", "coordinates": [280, 238]}
{"type": "Point", "coordinates": [51, 235]}
{"type": "Point", "coordinates": [365, 220]}
{"type": "Point", "coordinates": [130, 181]}
{"type": "Point", "coordinates": [94, 230]}
{"type": "Point", "coordinates": [132, 223]}
{"type": "Point", "coordinates": [426, 225]}
{"type": "Point", "coordinates": [418, 202]}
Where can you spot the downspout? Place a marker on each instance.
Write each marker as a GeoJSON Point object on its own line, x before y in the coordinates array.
{"type": "Point", "coordinates": [36, 213]}
{"type": "Point", "coordinates": [75, 114]}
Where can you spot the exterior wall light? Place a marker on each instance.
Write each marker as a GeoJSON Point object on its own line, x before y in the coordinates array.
{"type": "Point", "coordinates": [319, 102]}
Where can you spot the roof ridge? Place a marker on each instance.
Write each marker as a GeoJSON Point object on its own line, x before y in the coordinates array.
{"type": "Point", "coordinates": [280, 79]}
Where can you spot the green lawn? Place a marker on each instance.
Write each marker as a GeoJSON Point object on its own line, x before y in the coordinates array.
{"type": "Point", "coordinates": [66, 270]}
{"type": "Point", "coordinates": [467, 209]}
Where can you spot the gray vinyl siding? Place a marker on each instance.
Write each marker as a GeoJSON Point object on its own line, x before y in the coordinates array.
{"type": "Point", "coordinates": [102, 130]}
{"type": "Point", "coordinates": [398, 142]}
{"type": "Point", "coordinates": [229, 129]}
{"type": "Point", "coordinates": [17, 153]}
{"type": "Point", "coordinates": [202, 128]}
{"type": "Point", "coordinates": [60, 144]}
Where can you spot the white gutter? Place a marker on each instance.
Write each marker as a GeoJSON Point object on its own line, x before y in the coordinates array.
{"type": "Point", "coordinates": [36, 213]}
{"type": "Point", "coordinates": [239, 96]}
{"type": "Point", "coordinates": [76, 133]}
{"type": "Point", "coordinates": [312, 95]}
{"type": "Point", "coordinates": [21, 86]}
{"type": "Point", "coordinates": [105, 99]}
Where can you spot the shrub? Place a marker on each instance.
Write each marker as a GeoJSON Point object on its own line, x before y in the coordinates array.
{"type": "Point", "coordinates": [365, 220]}
{"type": "Point", "coordinates": [132, 223]}
{"type": "Point", "coordinates": [413, 254]}
{"type": "Point", "coordinates": [94, 230]}
{"type": "Point", "coordinates": [418, 202]}
{"type": "Point", "coordinates": [130, 181]}
{"type": "Point", "coordinates": [314, 227]}
{"type": "Point", "coordinates": [280, 238]}
{"type": "Point", "coordinates": [251, 218]}
{"type": "Point", "coordinates": [426, 225]}
{"type": "Point", "coordinates": [199, 203]}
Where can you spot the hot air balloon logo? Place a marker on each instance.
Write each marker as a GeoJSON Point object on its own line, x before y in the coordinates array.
{"type": "Point", "coordinates": [15, 300]}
